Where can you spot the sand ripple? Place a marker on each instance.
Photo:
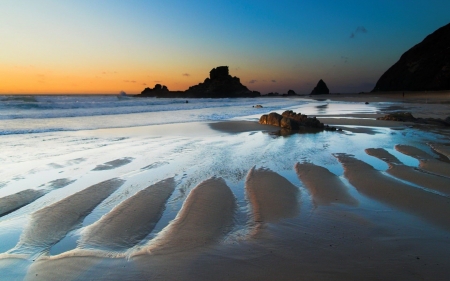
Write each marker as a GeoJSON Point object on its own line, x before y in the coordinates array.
{"type": "Point", "coordinates": [410, 174]}
{"type": "Point", "coordinates": [50, 224]}
{"type": "Point", "coordinates": [205, 216]}
{"type": "Point", "coordinates": [132, 220]}
{"type": "Point", "coordinates": [427, 162]}
{"type": "Point", "coordinates": [15, 201]}
{"type": "Point", "coordinates": [370, 182]}
{"type": "Point", "coordinates": [325, 187]}
{"type": "Point", "coordinates": [272, 196]}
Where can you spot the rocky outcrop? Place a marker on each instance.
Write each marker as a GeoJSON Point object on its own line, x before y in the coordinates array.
{"type": "Point", "coordinates": [320, 89]}
{"type": "Point", "coordinates": [399, 116]}
{"type": "Point", "coordinates": [293, 121]}
{"type": "Point", "coordinates": [291, 93]}
{"type": "Point", "coordinates": [158, 90]}
{"type": "Point", "coordinates": [424, 67]}
{"type": "Point", "coordinates": [408, 117]}
{"type": "Point", "coordinates": [220, 84]}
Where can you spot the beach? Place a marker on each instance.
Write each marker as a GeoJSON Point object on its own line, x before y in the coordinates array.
{"type": "Point", "coordinates": [160, 189]}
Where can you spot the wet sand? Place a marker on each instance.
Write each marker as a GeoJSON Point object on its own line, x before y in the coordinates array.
{"type": "Point", "coordinates": [442, 149]}
{"type": "Point", "coordinates": [325, 187]}
{"type": "Point", "coordinates": [410, 174]}
{"type": "Point", "coordinates": [272, 197]}
{"type": "Point", "coordinates": [50, 224]}
{"type": "Point", "coordinates": [15, 201]}
{"type": "Point", "coordinates": [431, 207]}
{"type": "Point", "coordinates": [427, 162]}
{"type": "Point", "coordinates": [131, 221]}
{"type": "Point", "coordinates": [205, 216]}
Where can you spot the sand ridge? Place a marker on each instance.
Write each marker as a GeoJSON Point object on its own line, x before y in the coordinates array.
{"type": "Point", "coordinates": [410, 174]}
{"type": "Point", "coordinates": [427, 162]}
{"type": "Point", "coordinates": [130, 221]}
{"type": "Point", "coordinates": [49, 225]}
{"type": "Point", "coordinates": [15, 201]}
{"type": "Point", "coordinates": [372, 183]}
{"type": "Point", "coordinates": [272, 197]}
{"type": "Point", "coordinates": [442, 149]}
{"type": "Point", "coordinates": [325, 187]}
{"type": "Point", "coordinates": [205, 216]}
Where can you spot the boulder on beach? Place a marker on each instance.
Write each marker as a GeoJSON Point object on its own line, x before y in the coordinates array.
{"type": "Point", "coordinates": [320, 89]}
{"type": "Point", "coordinates": [399, 116]}
{"type": "Point", "coordinates": [408, 117]}
{"type": "Point", "coordinates": [290, 120]}
{"type": "Point", "coordinates": [424, 67]}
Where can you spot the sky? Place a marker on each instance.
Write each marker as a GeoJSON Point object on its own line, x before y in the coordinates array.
{"type": "Point", "coordinates": [108, 46]}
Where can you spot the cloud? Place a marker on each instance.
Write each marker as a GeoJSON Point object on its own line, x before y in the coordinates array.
{"type": "Point", "coordinates": [157, 81]}
{"type": "Point", "coordinates": [359, 29]}
{"type": "Point", "coordinates": [128, 81]}
{"type": "Point", "coordinates": [274, 81]}
{"type": "Point", "coordinates": [345, 59]}
{"type": "Point", "coordinates": [144, 84]}
{"type": "Point", "coordinates": [252, 81]}
{"type": "Point", "coordinates": [186, 74]}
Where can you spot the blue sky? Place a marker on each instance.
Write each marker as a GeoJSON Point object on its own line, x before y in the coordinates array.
{"type": "Point", "coordinates": [108, 46]}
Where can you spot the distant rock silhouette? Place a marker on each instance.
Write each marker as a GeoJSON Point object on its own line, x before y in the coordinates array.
{"type": "Point", "coordinates": [157, 91]}
{"type": "Point", "coordinates": [320, 89]}
{"type": "Point", "coordinates": [291, 93]}
{"type": "Point", "coordinates": [424, 67]}
{"type": "Point", "coordinates": [220, 84]}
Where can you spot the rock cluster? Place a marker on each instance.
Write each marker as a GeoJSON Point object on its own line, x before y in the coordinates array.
{"type": "Point", "coordinates": [293, 121]}
{"type": "Point", "coordinates": [424, 67]}
{"type": "Point", "coordinates": [220, 84]}
{"type": "Point", "coordinates": [399, 116]}
{"type": "Point", "coordinates": [156, 91]}
{"type": "Point", "coordinates": [320, 89]}
{"type": "Point", "coordinates": [408, 117]}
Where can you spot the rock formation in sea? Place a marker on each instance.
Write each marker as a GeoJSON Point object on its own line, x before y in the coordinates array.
{"type": "Point", "coordinates": [291, 93]}
{"type": "Point", "coordinates": [290, 120]}
{"type": "Point", "coordinates": [157, 91]}
{"type": "Point", "coordinates": [220, 84]}
{"type": "Point", "coordinates": [424, 67]}
{"type": "Point", "coordinates": [320, 89]}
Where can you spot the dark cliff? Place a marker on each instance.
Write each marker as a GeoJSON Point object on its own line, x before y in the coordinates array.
{"type": "Point", "coordinates": [424, 67]}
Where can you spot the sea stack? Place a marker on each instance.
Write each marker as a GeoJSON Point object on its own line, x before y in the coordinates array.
{"type": "Point", "coordinates": [320, 89]}
{"type": "Point", "coordinates": [424, 67]}
{"type": "Point", "coordinates": [156, 91]}
{"type": "Point", "coordinates": [220, 84]}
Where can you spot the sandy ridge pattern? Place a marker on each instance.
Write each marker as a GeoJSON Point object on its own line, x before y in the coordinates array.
{"type": "Point", "coordinates": [272, 197]}
{"type": "Point", "coordinates": [131, 220]}
{"type": "Point", "coordinates": [372, 183]}
{"type": "Point", "coordinates": [15, 201]}
{"type": "Point", "coordinates": [427, 162]}
{"type": "Point", "coordinates": [205, 216]}
{"type": "Point", "coordinates": [325, 187]}
{"type": "Point", "coordinates": [410, 174]}
{"type": "Point", "coordinates": [442, 149]}
{"type": "Point", "coordinates": [50, 224]}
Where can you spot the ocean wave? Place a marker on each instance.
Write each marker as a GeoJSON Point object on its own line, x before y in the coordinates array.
{"type": "Point", "coordinates": [73, 113]}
